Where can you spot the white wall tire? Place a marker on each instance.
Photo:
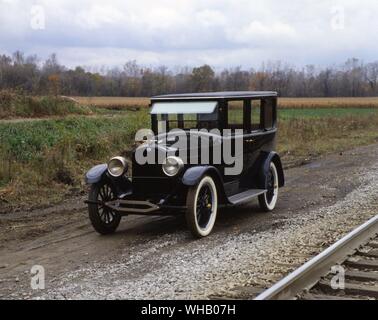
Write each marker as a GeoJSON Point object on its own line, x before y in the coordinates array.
{"type": "Point", "coordinates": [202, 207]}
{"type": "Point", "coordinates": [269, 199]}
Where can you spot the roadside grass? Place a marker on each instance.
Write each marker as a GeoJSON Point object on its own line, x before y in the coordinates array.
{"type": "Point", "coordinates": [302, 139]}
{"type": "Point", "coordinates": [42, 162]}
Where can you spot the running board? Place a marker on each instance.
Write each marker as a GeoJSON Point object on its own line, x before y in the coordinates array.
{"type": "Point", "coordinates": [245, 196]}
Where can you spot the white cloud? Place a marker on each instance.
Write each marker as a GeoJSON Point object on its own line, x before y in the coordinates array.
{"type": "Point", "coordinates": [257, 31]}
{"type": "Point", "coordinates": [99, 15]}
{"type": "Point", "coordinates": [219, 32]}
{"type": "Point", "coordinates": [211, 18]}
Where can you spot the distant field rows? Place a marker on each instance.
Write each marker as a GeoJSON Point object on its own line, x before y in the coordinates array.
{"type": "Point", "coordinates": [119, 102]}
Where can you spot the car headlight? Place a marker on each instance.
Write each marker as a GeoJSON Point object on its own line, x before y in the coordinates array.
{"type": "Point", "coordinates": [117, 166]}
{"type": "Point", "coordinates": [172, 166]}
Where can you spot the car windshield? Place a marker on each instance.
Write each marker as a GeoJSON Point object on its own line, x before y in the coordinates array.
{"type": "Point", "coordinates": [193, 107]}
{"type": "Point", "coordinates": [185, 115]}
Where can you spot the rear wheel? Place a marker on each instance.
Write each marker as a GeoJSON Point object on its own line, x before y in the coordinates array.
{"type": "Point", "coordinates": [103, 219]}
{"type": "Point", "coordinates": [202, 207]}
{"type": "Point", "coordinates": [269, 199]}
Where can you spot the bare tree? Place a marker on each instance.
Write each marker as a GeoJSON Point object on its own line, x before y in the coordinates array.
{"type": "Point", "coordinates": [372, 76]}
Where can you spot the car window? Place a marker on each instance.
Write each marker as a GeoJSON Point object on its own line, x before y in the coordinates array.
{"type": "Point", "coordinates": [268, 113]}
{"type": "Point", "coordinates": [256, 115]}
{"type": "Point", "coordinates": [235, 115]}
{"type": "Point", "coordinates": [187, 121]}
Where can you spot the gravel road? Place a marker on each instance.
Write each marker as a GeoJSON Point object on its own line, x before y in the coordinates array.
{"type": "Point", "coordinates": [156, 258]}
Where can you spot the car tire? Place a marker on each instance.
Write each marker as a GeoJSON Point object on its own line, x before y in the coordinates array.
{"type": "Point", "coordinates": [202, 207]}
{"type": "Point", "coordinates": [268, 200]}
{"type": "Point", "coordinates": [104, 220]}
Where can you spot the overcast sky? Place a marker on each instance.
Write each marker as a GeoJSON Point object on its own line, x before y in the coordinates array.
{"type": "Point", "coordinates": [221, 33]}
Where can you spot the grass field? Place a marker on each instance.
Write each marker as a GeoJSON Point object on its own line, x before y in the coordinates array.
{"type": "Point", "coordinates": [43, 161]}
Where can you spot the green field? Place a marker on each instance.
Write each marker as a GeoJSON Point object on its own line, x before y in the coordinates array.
{"type": "Point", "coordinates": [89, 137]}
{"type": "Point", "coordinates": [326, 113]}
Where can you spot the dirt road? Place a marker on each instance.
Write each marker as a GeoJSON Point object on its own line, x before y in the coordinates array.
{"type": "Point", "coordinates": [155, 257]}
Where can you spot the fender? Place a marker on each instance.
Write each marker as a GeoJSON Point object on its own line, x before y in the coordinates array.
{"type": "Point", "coordinates": [193, 176]}
{"type": "Point", "coordinates": [95, 174]}
{"type": "Point", "coordinates": [122, 185]}
{"type": "Point", "coordinates": [275, 158]}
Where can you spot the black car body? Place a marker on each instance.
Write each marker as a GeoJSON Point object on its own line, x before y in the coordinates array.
{"type": "Point", "coordinates": [204, 124]}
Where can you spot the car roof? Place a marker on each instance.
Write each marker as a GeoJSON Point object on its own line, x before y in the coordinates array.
{"type": "Point", "coordinates": [217, 95]}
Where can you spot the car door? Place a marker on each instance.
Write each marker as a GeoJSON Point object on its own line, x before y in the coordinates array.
{"type": "Point", "coordinates": [260, 138]}
{"type": "Point", "coordinates": [234, 134]}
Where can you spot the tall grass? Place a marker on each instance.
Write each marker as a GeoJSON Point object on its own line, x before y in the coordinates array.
{"type": "Point", "coordinates": [308, 137]}
{"type": "Point", "coordinates": [52, 155]}
{"type": "Point", "coordinates": [17, 104]}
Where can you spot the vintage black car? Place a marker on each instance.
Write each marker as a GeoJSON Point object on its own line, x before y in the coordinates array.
{"type": "Point", "coordinates": [195, 177]}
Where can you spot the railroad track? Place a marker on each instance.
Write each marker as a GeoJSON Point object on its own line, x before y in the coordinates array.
{"type": "Point", "coordinates": [346, 270]}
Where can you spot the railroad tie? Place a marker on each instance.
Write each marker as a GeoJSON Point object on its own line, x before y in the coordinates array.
{"type": "Point", "coordinates": [363, 264]}
{"type": "Point", "coordinates": [351, 289]}
{"type": "Point", "coordinates": [370, 254]}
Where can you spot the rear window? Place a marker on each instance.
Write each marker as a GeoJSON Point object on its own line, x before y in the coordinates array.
{"type": "Point", "coordinates": [268, 114]}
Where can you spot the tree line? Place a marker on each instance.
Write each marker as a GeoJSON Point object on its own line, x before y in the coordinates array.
{"type": "Point", "coordinates": [354, 78]}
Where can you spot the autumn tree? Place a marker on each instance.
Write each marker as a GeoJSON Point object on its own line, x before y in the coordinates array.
{"type": "Point", "coordinates": [202, 78]}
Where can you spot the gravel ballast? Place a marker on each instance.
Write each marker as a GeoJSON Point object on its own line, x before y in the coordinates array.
{"type": "Point", "coordinates": [161, 268]}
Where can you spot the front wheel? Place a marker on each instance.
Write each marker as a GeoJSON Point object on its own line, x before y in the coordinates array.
{"type": "Point", "coordinates": [104, 220]}
{"type": "Point", "coordinates": [202, 207]}
{"type": "Point", "coordinates": [269, 199]}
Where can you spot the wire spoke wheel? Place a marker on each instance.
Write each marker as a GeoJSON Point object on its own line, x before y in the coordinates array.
{"type": "Point", "coordinates": [270, 186]}
{"type": "Point", "coordinates": [268, 200]}
{"type": "Point", "coordinates": [204, 206]}
{"type": "Point", "coordinates": [104, 219]}
{"type": "Point", "coordinates": [106, 194]}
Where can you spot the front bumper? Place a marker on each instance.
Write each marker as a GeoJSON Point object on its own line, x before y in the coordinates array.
{"type": "Point", "coordinates": [138, 207]}
{"type": "Point", "coordinates": [132, 206]}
